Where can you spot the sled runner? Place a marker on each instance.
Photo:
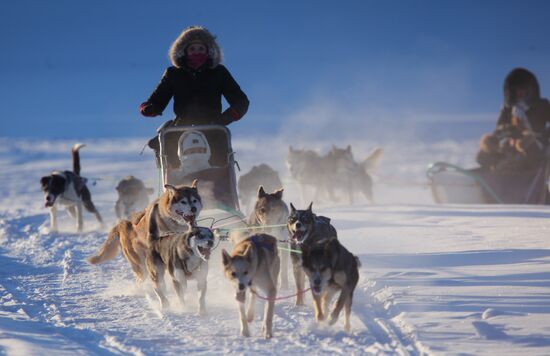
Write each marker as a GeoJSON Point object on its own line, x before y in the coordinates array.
{"type": "Point", "coordinates": [200, 152]}
{"type": "Point", "coordinates": [455, 185]}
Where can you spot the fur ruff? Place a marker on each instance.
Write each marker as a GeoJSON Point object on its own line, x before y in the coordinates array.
{"type": "Point", "coordinates": [190, 35]}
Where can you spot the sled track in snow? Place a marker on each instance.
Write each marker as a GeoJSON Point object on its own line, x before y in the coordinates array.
{"type": "Point", "coordinates": [56, 288]}
{"type": "Point", "coordinates": [378, 321]}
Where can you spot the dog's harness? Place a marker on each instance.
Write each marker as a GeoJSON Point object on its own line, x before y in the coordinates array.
{"type": "Point", "coordinates": [277, 298]}
{"type": "Point", "coordinates": [258, 243]}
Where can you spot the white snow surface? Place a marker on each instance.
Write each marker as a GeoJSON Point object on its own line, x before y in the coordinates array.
{"type": "Point", "coordinates": [435, 279]}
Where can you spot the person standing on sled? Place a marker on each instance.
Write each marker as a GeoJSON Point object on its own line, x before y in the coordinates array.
{"type": "Point", "coordinates": [521, 136]}
{"type": "Point", "coordinates": [197, 81]}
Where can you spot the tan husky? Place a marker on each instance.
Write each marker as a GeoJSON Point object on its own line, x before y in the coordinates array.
{"type": "Point", "coordinates": [176, 210]}
{"type": "Point", "coordinates": [254, 263]}
{"type": "Point", "coordinates": [269, 210]}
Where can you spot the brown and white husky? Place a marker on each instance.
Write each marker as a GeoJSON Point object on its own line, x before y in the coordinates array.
{"type": "Point", "coordinates": [171, 214]}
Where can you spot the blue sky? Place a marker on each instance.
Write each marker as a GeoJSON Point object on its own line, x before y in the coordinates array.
{"type": "Point", "coordinates": [77, 69]}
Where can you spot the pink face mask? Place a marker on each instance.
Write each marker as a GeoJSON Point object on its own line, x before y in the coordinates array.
{"type": "Point", "coordinates": [196, 60]}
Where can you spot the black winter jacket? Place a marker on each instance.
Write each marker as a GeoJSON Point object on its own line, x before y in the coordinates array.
{"type": "Point", "coordinates": [197, 95]}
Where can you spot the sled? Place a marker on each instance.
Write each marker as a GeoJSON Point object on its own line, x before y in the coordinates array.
{"type": "Point", "coordinates": [451, 184]}
{"type": "Point", "coordinates": [217, 182]}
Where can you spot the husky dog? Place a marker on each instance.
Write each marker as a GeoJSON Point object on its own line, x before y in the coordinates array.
{"type": "Point", "coordinates": [133, 196]}
{"type": "Point", "coordinates": [270, 209]}
{"type": "Point", "coordinates": [331, 268]}
{"type": "Point", "coordinates": [183, 256]}
{"type": "Point", "coordinates": [68, 189]}
{"type": "Point", "coordinates": [171, 214]}
{"type": "Point", "coordinates": [308, 168]}
{"type": "Point", "coordinates": [306, 231]}
{"type": "Point", "coordinates": [355, 176]}
{"type": "Point", "coordinates": [258, 175]}
{"type": "Point", "coordinates": [254, 263]}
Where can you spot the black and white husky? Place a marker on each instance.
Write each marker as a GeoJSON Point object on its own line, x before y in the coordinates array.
{"type": "Point", "coordinates": [68, 189]}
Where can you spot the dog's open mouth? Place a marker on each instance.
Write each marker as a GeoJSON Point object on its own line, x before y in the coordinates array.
{"type": "Point", "coordinates": [298, 236]}
{"type": "Point", "coordinates": [49, 203]}
{"type": "Point", "coordinates": [189, 218]}
{"type": "Point", "coordinates": [316, 289]}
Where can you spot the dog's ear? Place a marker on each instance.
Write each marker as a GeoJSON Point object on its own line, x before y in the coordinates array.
{"type": "Point", "coordinates": [149, 190]}
{"type": "Point", "coordinates": [279, 194]}
{"type": "Point", "coordinates": [290, 149]}
{"type": "Point", "coordinates": [226, 258]}
{"type": "Point", "coordinates": [261, 192]}
{"type": "Point", "coordinates": [348, 148]}
{"type": "Point", "coordinates": [292, 208]}
{"type": "Point", "coordinates": [194, 184]}
{"type": "Point", "coordinates": [44, 181]}
{"type": "Point", "coordinates": [309, 207]}
{"type": "Point", "coordinates": [170, 188]}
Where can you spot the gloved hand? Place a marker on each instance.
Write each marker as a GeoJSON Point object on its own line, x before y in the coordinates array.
{"type": "Point", "coordinates": [229, 115]}
{"type": "Point", "coordinates": [148, 109]}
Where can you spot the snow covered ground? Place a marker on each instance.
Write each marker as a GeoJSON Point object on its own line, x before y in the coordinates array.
{"type": "Point", "coordinates": [434, 279]}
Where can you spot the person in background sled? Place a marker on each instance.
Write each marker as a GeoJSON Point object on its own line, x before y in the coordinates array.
{"type": "Point", "coordinates": [521, 136]}
{"type": "Point", "coordinates": [197, 81]}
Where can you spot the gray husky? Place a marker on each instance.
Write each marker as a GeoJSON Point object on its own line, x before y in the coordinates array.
{"type": "Point", "coordinates": [335, 170]}
{"type": "Point", "coordinates": [309, 169]}
{"type": "Point", "coordinates": [269, 210]}
{"type": "Point", "coordinates": [352, 176]}
{"type": "Point", "coordinates": [133, 197]}
{"type": "Point", "coordinates": [259, 175]}
{"type": "Point", "coordinates": [185, 256]}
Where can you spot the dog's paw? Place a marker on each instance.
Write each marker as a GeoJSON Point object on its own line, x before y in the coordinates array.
{"type": "Point", "coordinates": [245, 333]}
{"type": "Point", "coordinates": [333, 320]}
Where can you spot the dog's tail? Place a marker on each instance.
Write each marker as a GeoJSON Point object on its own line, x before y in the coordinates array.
{"type": "Point", "coordinates": [373, 159]}
{"type": "Point", "coordinates": [109, 249]}
{"type": "Point", "coordinates": [76, 158]}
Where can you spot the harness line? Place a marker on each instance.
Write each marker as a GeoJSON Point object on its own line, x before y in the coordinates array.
{"type": "Point", "coordinates": [278, 298]}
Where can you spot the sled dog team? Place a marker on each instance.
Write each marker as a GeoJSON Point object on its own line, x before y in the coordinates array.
{"type": "Point", "coordinates": [164, 238]}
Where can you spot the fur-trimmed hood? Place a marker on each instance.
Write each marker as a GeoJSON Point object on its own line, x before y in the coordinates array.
{"type": "Point", "coordinates": [520, 77]}
{"type": "Point", "coordinates": [192, 34]}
